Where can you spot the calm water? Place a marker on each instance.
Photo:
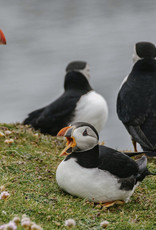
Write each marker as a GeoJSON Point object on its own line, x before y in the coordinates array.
{"type": "Point", "coordinates": [44, 36]}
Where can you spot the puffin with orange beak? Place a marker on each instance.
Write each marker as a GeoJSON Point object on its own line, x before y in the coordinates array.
{"type": "Point", "coordinates": [96, 172]}
{"type": "Point", "coordinates": [2, 38]}
{"type": "Point", "coordinates": [76, 142]}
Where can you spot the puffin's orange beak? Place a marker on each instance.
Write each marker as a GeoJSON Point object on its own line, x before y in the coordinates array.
{"type": "Point", "coordinates": [2, 38]}
{"type": "Point", "coordinates": [62, 132]}
{"type": "Point", "coordinates": [71, 143]}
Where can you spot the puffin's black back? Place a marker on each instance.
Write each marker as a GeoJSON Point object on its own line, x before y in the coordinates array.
{"type": "Point", "coordinates": [59, 113]}
{"type": "Point", "coordinates": [136, 103]}
{"type": "Point", "coordinates": [108, 159]}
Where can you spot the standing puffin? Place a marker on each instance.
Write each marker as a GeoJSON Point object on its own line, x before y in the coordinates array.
{"type": "Point", "coordinates": [79, 102]}
{"type": "Point", "coordinates": [2, 38]}
{"type": "Point", "coordinates": [96, 172]}
{"type": "Point", "coordinates": [136, 102]}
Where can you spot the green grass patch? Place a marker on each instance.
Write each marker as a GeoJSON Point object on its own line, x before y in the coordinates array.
{"type": "Point", "coordinates": [27, 170]}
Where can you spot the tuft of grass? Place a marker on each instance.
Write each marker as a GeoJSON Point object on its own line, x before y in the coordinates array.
{"type": "Point", "coordinates": [27, 170]}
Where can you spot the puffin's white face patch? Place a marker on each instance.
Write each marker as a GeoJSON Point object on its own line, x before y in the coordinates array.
{"type": "Point", "coordinates": [85, 138]}
{"type": "Point", "coordinates": [135, 57]}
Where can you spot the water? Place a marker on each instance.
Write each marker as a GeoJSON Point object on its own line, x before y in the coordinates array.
{"type": "Point", "coordinates": [44, 36]}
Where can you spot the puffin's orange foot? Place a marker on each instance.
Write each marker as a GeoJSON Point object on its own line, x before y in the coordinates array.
{"type": "Point", "coordinates": [111, 203]}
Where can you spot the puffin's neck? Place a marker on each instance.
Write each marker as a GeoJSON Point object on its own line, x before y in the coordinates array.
{"type": "Point", "coordinates": [145, 65]}
{"type": "Point", "coordinates": [87, 159]}
{"type": "Point", "coordinates": [76, 81]}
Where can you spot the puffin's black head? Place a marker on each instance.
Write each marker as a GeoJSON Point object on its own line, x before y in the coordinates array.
{"type": "Point", "coordinates": [80, 136]}
{"type": "Point", "coordinates": [2, 38]}
{"type": "Point", "coordinates": [79, 66]}
{"type": "Point", "coordinates": [144, 50]}
{"type": "Point", "coordinates": [77, 77]}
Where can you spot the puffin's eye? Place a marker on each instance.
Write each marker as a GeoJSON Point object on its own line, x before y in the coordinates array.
{"type": "Point", "coordinates": [85, 133]}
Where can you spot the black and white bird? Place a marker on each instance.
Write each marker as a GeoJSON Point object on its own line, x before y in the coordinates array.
{"type": "Point", "coordinates": [136, 102]}
{"type": "Point", "coordinates": [96, 172]}
{"type": "Point", "coordinates": [2, 38]}
{"type": "Point", "coordinates": [79, 102]}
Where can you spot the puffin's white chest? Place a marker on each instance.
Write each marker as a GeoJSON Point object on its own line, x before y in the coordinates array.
{"type": "Point", "coordinates": [94, 184]}
{"type": "Point", "coordinates": [92, 108]}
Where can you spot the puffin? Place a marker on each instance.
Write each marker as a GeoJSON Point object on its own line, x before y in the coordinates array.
{"type": "Point", "coordinates": [136, 100]}
{"type": "Point", "coordinates": [95, 172]}
{"type": "Point", "coordinates": [79, 102]}
{"type": "Point", "coordinates": [2, 38]}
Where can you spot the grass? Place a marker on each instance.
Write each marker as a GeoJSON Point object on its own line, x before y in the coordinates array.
{"type": "Point", "coordinates": [27, 170]}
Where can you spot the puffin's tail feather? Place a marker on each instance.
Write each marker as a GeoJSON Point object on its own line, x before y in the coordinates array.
{"type": "Point", "coordinates": [142, 164]}
{"type": "Point", "coordinates": [148, 153]}
{"type": "Point", "coordinates": [143, 170]}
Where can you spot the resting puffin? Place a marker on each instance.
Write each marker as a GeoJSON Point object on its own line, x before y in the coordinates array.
{"type": "Point", "coordinates": [136, 102]}
{"type": "Point", "coordinates": [96, 172]}
{"type": "Point", "coordinates": [79, 102]}
{"type": "Point", "coordinates": [2, 38]}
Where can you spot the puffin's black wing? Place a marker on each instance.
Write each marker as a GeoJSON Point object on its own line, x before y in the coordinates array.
{"type": "Point", "coordinates": [133, 112]}
{"type": "Point", "coordinates": [53, 117]}
{"type": "Point", "coordinates": [136, 103]}
{"type": "Point", "coordinates": [126, 169]}
{"type": "Point", "coordinates": [117, 163]}
{"type": "Point", "coordinates": [130, 109]}
{"type": "Point", "coordinates": [33, 116]}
